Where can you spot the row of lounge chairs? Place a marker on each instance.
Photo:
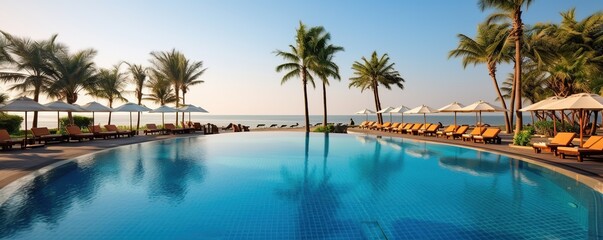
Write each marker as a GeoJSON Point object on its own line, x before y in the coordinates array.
{"type": "Point", "coordinates": [478, 134]}
{"type": "Point", "coordinates": [261, 125]}
{"type": "Point", "coordinates": [561, 145]}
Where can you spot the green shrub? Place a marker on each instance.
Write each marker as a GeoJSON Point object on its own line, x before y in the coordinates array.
{"type": "Point", "coordinates": [546, 127]}
{"type": "Point", "coordinates": [12, 123]}
{"type": "Point", "coordinates": [523, 138]}
{"type": "Point", "coordinates": [328, 128]}
{"type": "Point", "coordinates": [79, 121]}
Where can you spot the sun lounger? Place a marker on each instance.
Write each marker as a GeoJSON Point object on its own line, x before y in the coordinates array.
{"type": "Point", "coordinates": [171, 128]}
{"type": "Point", "coordinates": [383, 126]}
{"type": "Point", "coordinates": [152, 129]}
{"type": "Point", "coordinates": [114, 128]}
{"type": "Point", "coordinates": [6, 142]}
{"type": "Point", "coordinates": [43, 134]}
{"type": "Point", "coordinates": [99, 133]}
{"type": "Point", "coordinates": [431, 130]}
{"type": "Point", "coordinates": [197, 126]}
{"type": "Point", "coordinates": [489, 136]}
{"type": "Point", "coordinates": [458, 133]}
{"type": "Point", "coordinates": [260, 125]}
{"type": "Point", "coordinates": [75, 133]}
{"type": "Point", "coordinates": [406, 127]}
{"type": "Point", "coordinates": [294, 125]}
{"type": "Point", "coordinates": [415, 128]}
{"type": "Point", "coordinates": [273, 125]}
{"type": "Point", "coordinates": [475, 132]}
{"type": "Point", "coordinates": [450, 129]}
{"type": "Point", "coordinates": [562, 139]}
{"type": "Point", "coordinates": [283, 126]}
{"type": "Point", "coordinates": [593, 146]}
{"type": "Point", "coordinates": [393, 126]}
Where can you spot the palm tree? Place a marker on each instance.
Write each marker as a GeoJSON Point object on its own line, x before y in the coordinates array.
{"type": "Point", "coordinates": [168, 66]}
{"type": "Point", "coordinates": [299, 60]}
{"type": "Point", "coordinates": [110, 84]}
{"type": "Point", "coordinates": [511, 9]}
{"type": "Point", "coordinates": [32, 66]}
{"type": "Point", "coordinates": [192, 73]}
{"type": "Point", "coordinates": [161, 90]}
{"type": "Point", "coordinates": [324, 66]}
{"type": "Point", "coordinates": [489, 47]}
{"type": "Point", "coordinates": [72, 74]}
{"type": "Point", "coordinates": [369, 74]}
{"type": "Point", "coordinates": [139, 76]}
{"type": "Point", "coordinates": [3, 98]}
{"type": "Point", "coordinates": [4, 55]}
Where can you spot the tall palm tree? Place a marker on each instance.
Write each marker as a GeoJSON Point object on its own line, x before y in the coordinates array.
{"type": "Point", "coordinates": [511, 9]}
{"type": "Point", "coordinates": [369, 74]}
{"type": "Point", "coordinates": [298, 61]}
{"type": "Point", "coordinates": [4, 54]}
{"type": "Point", "coordinates": [324, 67]}
{"type": "Point", "coordinates": [110, 85]}
{"type": "Point", "coordinates": [139, 77]}
{"type": "Point", "coordinates": [32, 66]}
{"type": "Point", "coordinates": [72, 73]}
{"type": "Point", "coordinates": [161, 90]}
{"type": "Point", "coordinates": [192, 73]}
{"type": "Point", "coordinates": [168, 66]}
{"type": "Point", "coordinates": [489, 47]}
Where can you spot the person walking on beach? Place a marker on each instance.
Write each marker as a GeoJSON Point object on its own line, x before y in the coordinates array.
{"type": "Point", "coordinates": [352, 122]}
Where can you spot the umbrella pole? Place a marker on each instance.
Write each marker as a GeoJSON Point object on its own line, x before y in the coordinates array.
{"type": "Point", "coordinates": [554, 123]}
{"type": "Point", "coordinates": [402, 117]}
{"type": "Point", "coordinates": [93, 122]}
{"type": "Point", "coordinates": [581, 125]}
{"type": "Point", "coordinates": [424, 121]}
{"type": "Point", "coordinates": [26, 129]}
{"type": "Point", "coordinates": [455, 119]}
{"type": "Point", "coordinates": [390, 117]}
{"type": "Point", "coordinates": [58, 122]}
{"type": "Point", "coordinates": [130, 121]}
{"type": "Point", "coordinates": [367, 117]}
{"type": "Point", "coordinates": [162, 119]}
{"type": "Point", "coordinates": [189, 116]}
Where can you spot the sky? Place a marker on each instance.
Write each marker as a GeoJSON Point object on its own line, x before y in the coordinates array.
{"type": "Point", "coordinates": [236, 40]}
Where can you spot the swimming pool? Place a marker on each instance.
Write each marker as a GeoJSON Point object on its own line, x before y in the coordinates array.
{"type": "Point", "coordinates": [293, 185]}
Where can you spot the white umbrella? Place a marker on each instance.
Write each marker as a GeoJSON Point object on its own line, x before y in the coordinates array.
{"type": "Point", "coordinates": [453, 107]}
{"type": "Point", "coordinates": [423, 109]}
{"type": "Point", "coordinates": [481, 106]}
{"type": "Point", "coordinates": [191, 108]}
{"type": "Point", "coordinates": [387, 110]}
{"type": "Point", "coordinates": [400, 109]}
{"type": "Point", "coordinates": [581, 102]}
{"type": "Point", "coordinates": [131, 107]}
{"type": "Point", "coordinates": [537, 107]}
{"type": "Point", "coordinates": [163, 109]}
{"type": "Point", "coordinates": [62, 106]}
{"type": "Point", "coordinates": [95, 107]}
{"type": "Point", "coordinates": [23, 104]}
{"type": "Point", "coordinates": [365, 111]}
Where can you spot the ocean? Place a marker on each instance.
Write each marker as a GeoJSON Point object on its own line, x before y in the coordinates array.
{"type": "Point", "coordinates": [49, 119]}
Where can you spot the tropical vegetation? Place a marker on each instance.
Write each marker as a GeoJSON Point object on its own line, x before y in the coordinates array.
{"type": "Point", "coordinates": [374, 72]}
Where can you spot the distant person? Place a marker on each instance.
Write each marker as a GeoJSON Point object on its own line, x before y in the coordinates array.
{"type": "Point", "coordinates": [352, 122]}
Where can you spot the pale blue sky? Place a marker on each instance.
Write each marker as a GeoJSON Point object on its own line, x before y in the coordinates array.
{"type": "Point", "coordinates": [236, 40]}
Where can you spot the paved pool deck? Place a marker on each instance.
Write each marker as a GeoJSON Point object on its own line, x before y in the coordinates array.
{"type": "Point", "coordinates": [17, 163]}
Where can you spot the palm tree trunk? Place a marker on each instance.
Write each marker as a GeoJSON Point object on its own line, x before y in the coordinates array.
{"type": "Point", "coordinates": [183, 103]}
{"type": "Point", "coordinates": [492, 70]}
{"type": "Point", "coordinates": [177, 101]}
{"type": "Point", "coordinates": [377, 103]}
{"type": "Point", "coordinates": [138, 119]}
{"type": "Point", "coordinates": [512, 103]}
{"type": "Point", "coordinates": [111, 106]}
{"type": "Point", "coordinates": [324, 103]}
{"type": "Point", "coordinates": [305, 83]}
{"type": "Point", "coordinates": [36, 98]}
{"type": "Point", "coordinates": [517, 24]}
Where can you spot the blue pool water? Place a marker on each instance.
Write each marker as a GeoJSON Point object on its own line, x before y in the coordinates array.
{"type": "Point", "coordinates": [297, 186]}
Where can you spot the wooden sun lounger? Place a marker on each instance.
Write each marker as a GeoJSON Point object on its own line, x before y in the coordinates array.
{"type": "Point", "coordinates": [152, 129]}
{"type": "Point", "coordinates": [450, 129]}
{"type": "Point", "coordinates": [406, 127]}
{"type": "Point", "coordinates": [415, 129]}
{"type": "Point", "coordinates": [562, 139]}
{"type": "Point", "coordinates": [114, 128]}
{"type": "Point", "coordinates": [593, 146]}
{"type": "Point", "coordinates": [99, 133]}
{"type": "Point", "coordinates": [430, 131]}
{"type": "Point", "coordinates": [260, 125]}
{"type": "Point", "coordinates": [475, 132]}
{"type": "Point", "coordinates": [383, 126]}
{"type": "Point", "coordinates": [458, 133]}
{"type": "Point", "coordinates": [393, 126]}
{"type": "Point", "coordinates": [489, 136]}
{"type": "Point", "coordinates": [43, 134]}
{"type": "Point", "coordinates": [6, 142]}
{"type": "Point", "coordinates": [171, 128]}
{"type": "Point", "coordinates": [75, 133]}
{"type": "Point", "coordinates": [273, 125]}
